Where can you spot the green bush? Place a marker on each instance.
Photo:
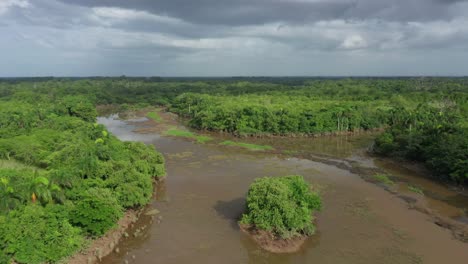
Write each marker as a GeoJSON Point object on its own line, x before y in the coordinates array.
{"type": "Point", "coordinates": [146, 159]}
{"type": "Point", "coordinates": [384, 143]}
{"type": "Point", "coordinates": [4, 258]}
{"type": "Point", "coordinates": [78, 106]}
{"type": "Point", "coordinates": [282, 205]}
{"type": "Point", "coordinates": [36, 234]}
{"type": "Point", "coordinates": [133, 188]}
{"type": "Point", "coordinates": [96, 212]}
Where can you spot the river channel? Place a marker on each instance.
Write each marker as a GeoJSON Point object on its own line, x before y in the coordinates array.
{"type": "Point", "coordinates": [204, 193]}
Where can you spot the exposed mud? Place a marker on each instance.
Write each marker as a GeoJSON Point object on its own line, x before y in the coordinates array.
{"type": "Point", "coordinates": [272, 243]}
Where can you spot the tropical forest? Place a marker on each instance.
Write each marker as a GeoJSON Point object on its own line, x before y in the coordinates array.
{"type": "Point", "coordinates": [130, 169]}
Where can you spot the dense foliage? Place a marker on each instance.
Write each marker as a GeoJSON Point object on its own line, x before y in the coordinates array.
{"type": "Point", "coordinates": [96, 212]}
{"type": "Point", "coordinates": [282, 205]}
{"type": "Point", "coordinates": [433, 134]}
{"type": "Point", "coordinates": [409, 107]}
{"type": "Point", "coordinates": [64, 177]}
{"type": "Point", "coordinates": [36, 234]}
{"type": "Point", "coordinates": [279, 114]}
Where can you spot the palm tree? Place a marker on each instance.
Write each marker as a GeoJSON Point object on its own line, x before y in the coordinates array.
{"type": "Point", "coordinates": [44, 191]}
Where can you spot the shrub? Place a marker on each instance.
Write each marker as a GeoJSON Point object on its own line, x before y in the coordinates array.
{"type": "Point", "coordinates": [133, 188]}
{"type": "Point", "coordinates": [78, 106]}
{"type": "Point", "coordinates": [282, 205]}
{"type": "Point", "coordinates": [146, 159]}
{"type": "Point", "coordinates": [4, 258]}
{"type": "Point", "coordinates": [96, 212]}
{"type": "Point", "coordinates": [384, 143]}
{"type": "Point", "coordinates": [35, 234]}
{"type": "Point", "coordinates": [134, 194]}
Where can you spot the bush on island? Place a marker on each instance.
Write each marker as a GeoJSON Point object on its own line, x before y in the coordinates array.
{"type": "Point", "coordinates": [283, 206]}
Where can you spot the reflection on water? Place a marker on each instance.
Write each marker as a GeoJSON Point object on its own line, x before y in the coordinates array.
{"type": "Point", "coordinates": [123, 129]}
{"type": "Point", "coordinates": [203, 197]}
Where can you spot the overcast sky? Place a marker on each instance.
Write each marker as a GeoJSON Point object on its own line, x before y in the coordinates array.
{"type": "Point", "coordinates": [233, 37]}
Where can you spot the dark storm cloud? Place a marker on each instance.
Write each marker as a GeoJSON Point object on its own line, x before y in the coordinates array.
{"type": "Point", "coordinates": [248, 12]}
{"type": "Point", "coordinates": [227, 12]}
{"type": "Point", "coordinates": [229, 37]}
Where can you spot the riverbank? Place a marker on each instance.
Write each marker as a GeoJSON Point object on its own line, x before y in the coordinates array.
{"type": "Point", "coordinates": [272, 243]}
{"type": "Point", "coordinates": [103, 246]}
{"type": "Point", "coordinates": [168, 118]}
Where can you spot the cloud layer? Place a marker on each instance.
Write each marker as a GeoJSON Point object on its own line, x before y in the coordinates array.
{"type": "Point", "coordinates": [226, 37]}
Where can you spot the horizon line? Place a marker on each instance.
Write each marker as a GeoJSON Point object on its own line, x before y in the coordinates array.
{"type": "Point", "coordinates": [236, 76]}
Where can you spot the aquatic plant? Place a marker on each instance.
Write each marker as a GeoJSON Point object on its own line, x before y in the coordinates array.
{"type": "Point", "coordinates": [383, 179]}
{"type": "Point", "coordinates": [246, 145]}
{"type": "Point", "coordinates": [187, 134]}
{"type": "Point", "coordinates": [154, 116]}
{"type": "Point", "coordinates": [415, 189]}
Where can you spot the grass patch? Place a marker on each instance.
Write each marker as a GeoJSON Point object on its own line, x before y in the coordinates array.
{"type": "Point", "coordinates": [154, 116]}
{"type": "Point", "coordinates": [382, 178]}
{"type": "Point", "coordinates": [13, 164]}
{"type": "Point", "coordinates": [187, 134]}
{"type": "Point", "coordinates": [415, 189]}
{"type": "Point", "coordinates": [247, 145]}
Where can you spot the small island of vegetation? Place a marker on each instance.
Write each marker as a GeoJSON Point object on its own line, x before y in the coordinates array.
{"type": "Point", "coordinates": [279, 212]}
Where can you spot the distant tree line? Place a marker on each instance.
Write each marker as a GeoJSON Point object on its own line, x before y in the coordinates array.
{"type": "Point", "coordinates": [408, 107]}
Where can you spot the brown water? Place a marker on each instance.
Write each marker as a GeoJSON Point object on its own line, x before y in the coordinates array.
{"type": "Point", "coordinates": [203, 197]}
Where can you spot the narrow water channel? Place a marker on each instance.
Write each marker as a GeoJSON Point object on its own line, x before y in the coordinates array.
{"type": "Point", "coordinates": [203, 197]}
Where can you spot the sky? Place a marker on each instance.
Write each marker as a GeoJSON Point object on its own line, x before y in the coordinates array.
{"type": "Point", "coordinates": [233, 37]}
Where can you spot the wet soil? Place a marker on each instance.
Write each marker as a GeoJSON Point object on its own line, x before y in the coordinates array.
{"type": "Point", "coordinates": [202, 199]}
{"type": "Point", "coordinates": [271, 243]}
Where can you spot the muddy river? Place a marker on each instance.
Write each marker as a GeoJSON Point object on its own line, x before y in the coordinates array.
{"type": "Point", "coordinates": [203, 197]}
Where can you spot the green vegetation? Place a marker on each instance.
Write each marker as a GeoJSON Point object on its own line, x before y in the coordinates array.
{"type": "Point", "coordinates": [434, 134]}
{"type": "Point", "coordinates": [290, 152]}
{"type": "Point", "coordinates": [154, 116]}
{"type": "Point", "coordinates": [246, 145]}
{"type": "Point", "coordinates": [96, 212]}
{"type": "Point", "coordinates": [37, 234]}
{"type": "Point", "coordinates": [187, 134]}
{"type": "Point", "coordinates": [282, 205]}
{"type": "Point", "coordinates": [426, 119]}
{"type": "Point", "coordinates": [415, 189]}
{"type": "Point", "coordinates": [13, 164]}
{"type": "Point", "coordinates": [383, 179]}
{"type": "Point", "coordinates": [278, 114]}
{"type": "Point", "coordinates": [64, 178]}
